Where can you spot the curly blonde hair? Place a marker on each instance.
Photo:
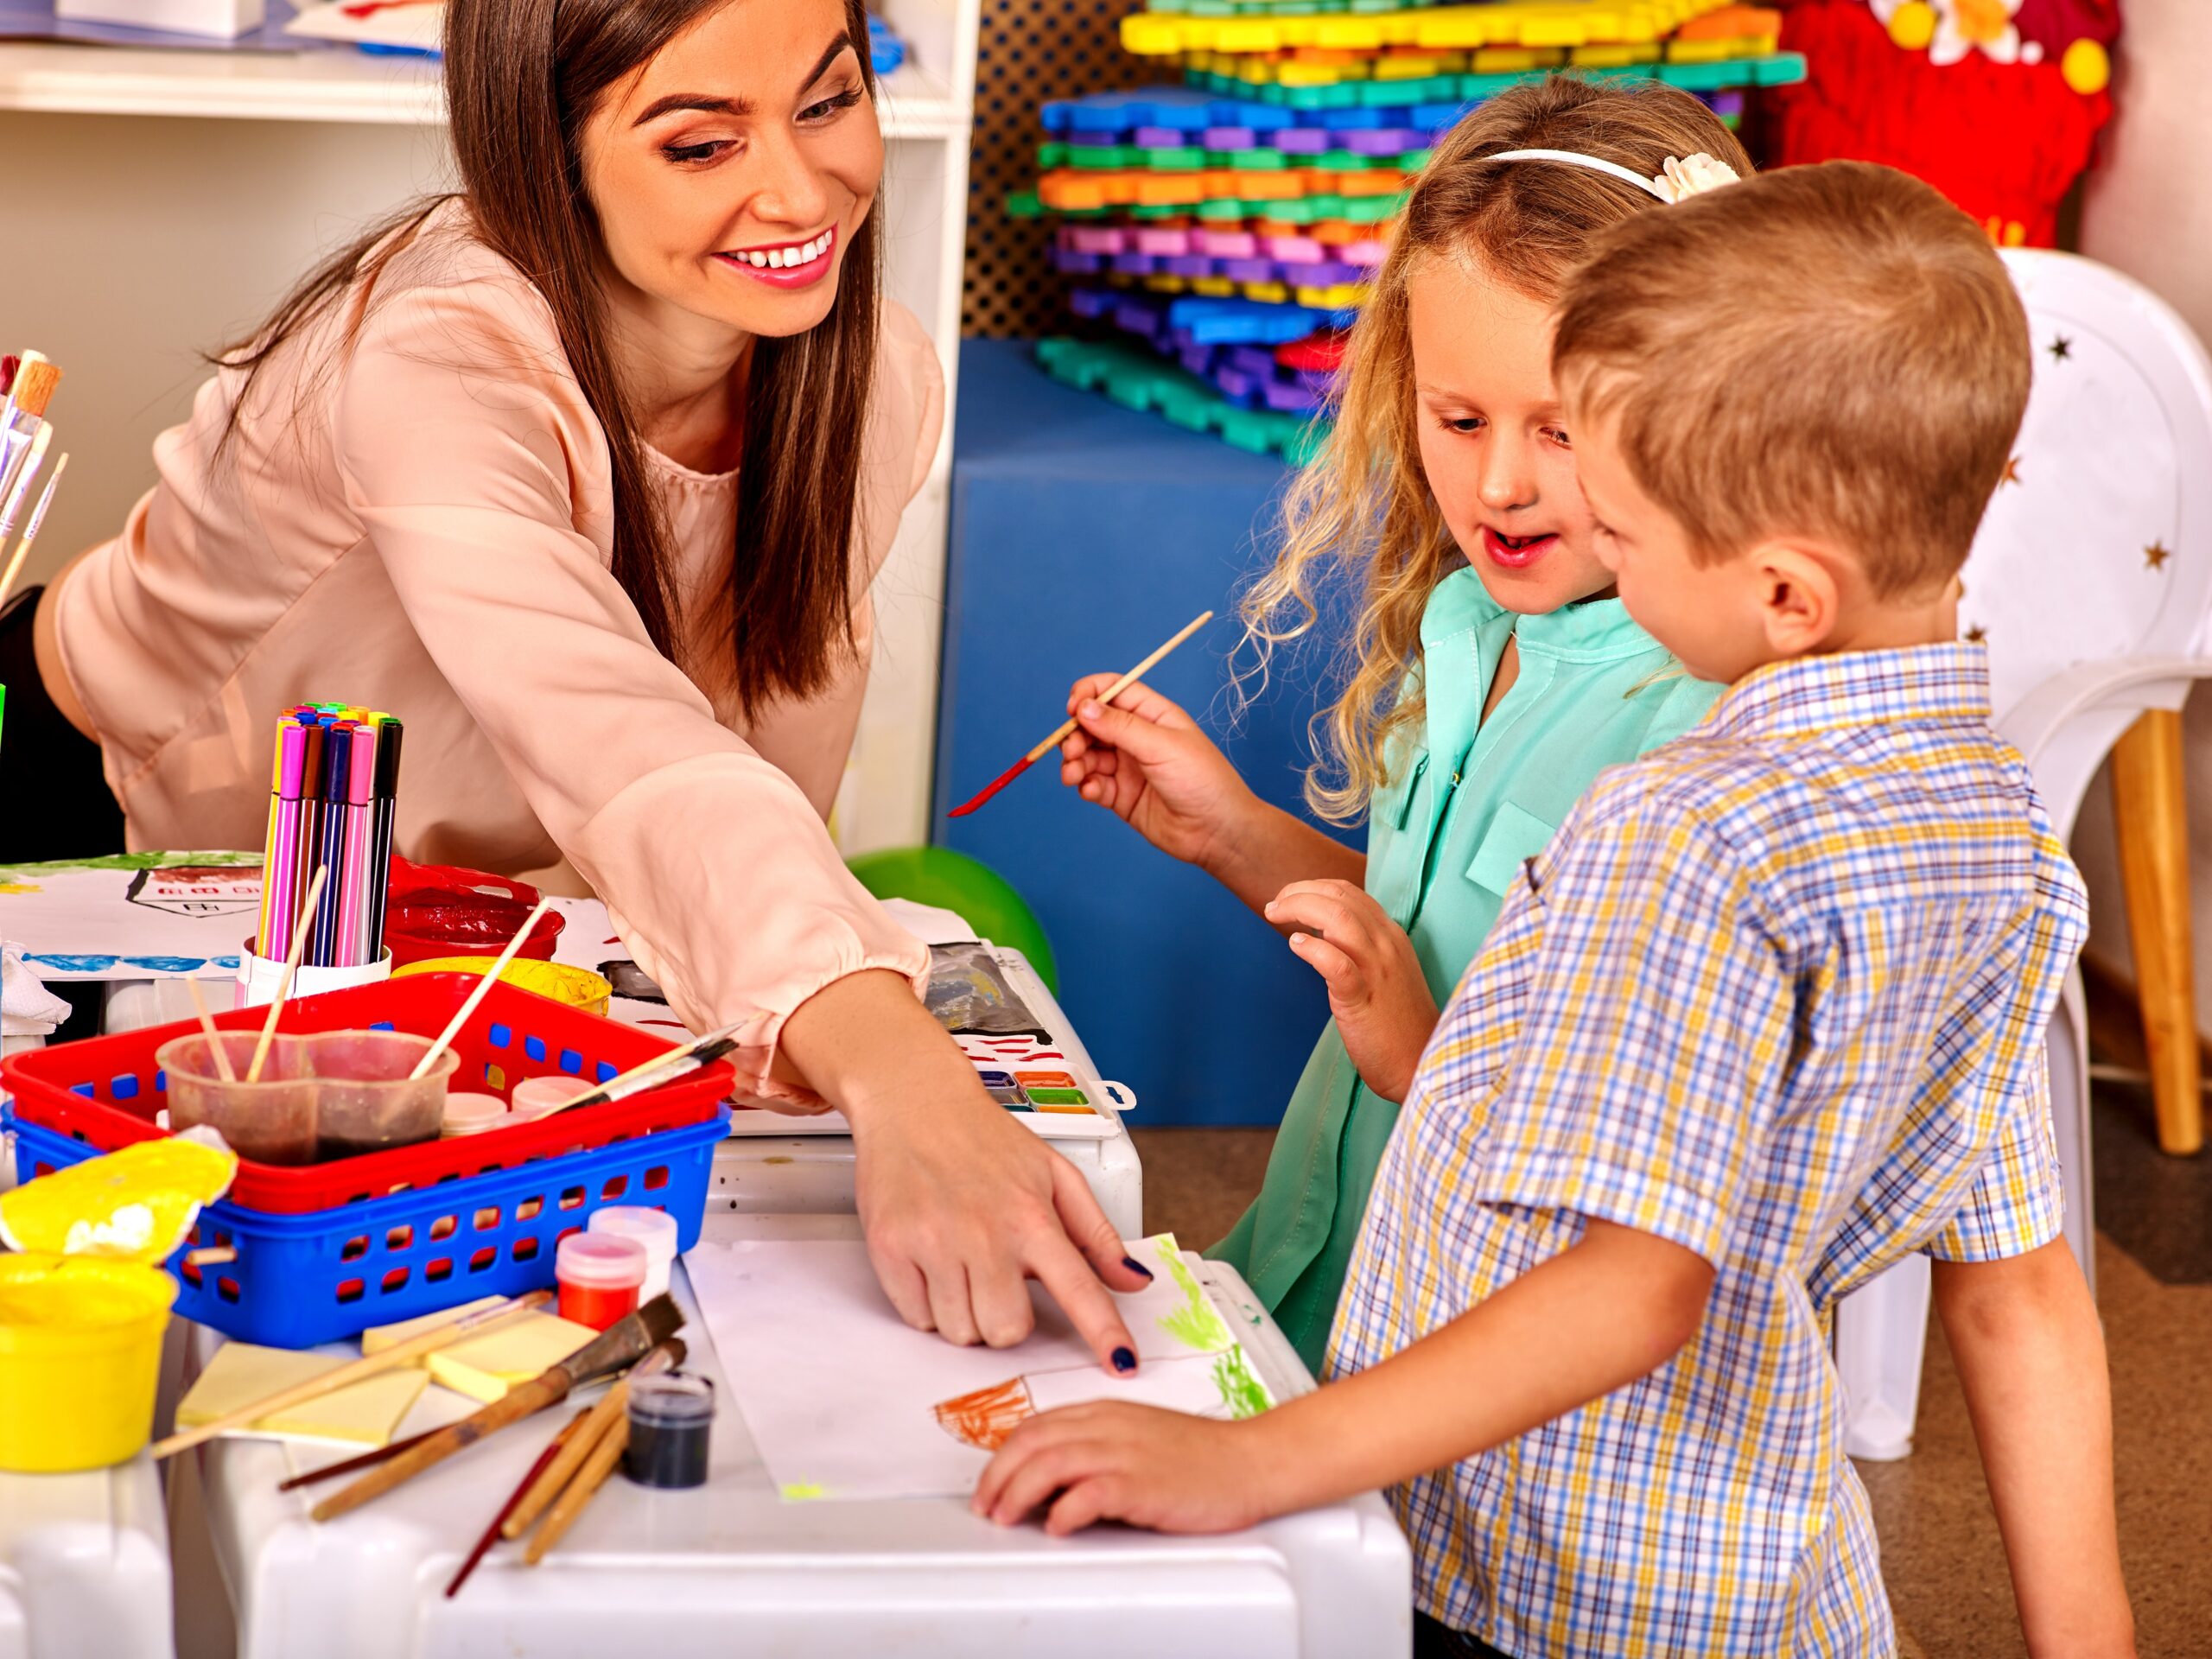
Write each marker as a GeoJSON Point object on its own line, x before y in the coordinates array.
{"type": "Point", "coordinates": [1363, 505]}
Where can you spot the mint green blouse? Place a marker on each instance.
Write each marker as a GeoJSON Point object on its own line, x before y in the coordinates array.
{"type": "Point", "coordinates": [1444, 840]}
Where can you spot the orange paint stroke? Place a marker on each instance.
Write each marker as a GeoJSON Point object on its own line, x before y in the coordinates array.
{"type": "Point", "coordinates": [985, 1418]}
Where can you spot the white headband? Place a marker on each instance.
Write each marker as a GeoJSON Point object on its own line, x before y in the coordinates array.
{"type": "Point", "coordinates": [1676, 180]}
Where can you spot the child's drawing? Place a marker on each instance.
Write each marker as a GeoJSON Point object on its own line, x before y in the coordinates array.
{"type": "Point", "coordinates": [1204, 1385]}
{"type": "Point", "coordinates": [1194, 1322]}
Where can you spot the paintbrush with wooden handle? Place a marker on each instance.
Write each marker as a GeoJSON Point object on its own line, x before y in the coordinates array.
{"type": "Point", "coordinates": [622, 1344]}
{"type": "Point", "coordinates": [557, 1474]}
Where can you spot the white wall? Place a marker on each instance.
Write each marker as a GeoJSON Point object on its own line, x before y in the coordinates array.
{"type": "Point", "coordinates": [2149, 212]}
{"type": "Point", "coordinates": [128, 245]}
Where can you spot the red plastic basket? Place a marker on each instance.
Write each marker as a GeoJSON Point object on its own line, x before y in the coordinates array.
{"type": "Point", "coordinates": [104, 1091]}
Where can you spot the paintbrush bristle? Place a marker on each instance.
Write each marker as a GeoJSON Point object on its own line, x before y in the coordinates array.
{"type": "Point", "coordinates": [990, 789]}
{"type": "Point", "coordinates": [34, 388]}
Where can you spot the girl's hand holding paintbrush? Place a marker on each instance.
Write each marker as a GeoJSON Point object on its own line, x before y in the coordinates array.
{"type": "Point", "coordinates": [1144, 759]}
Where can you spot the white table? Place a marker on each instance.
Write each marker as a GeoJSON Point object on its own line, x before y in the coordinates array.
{"type": "Point", "coordinates": [85, 1565]}
{"type": "Point", "coordinates": [732, 1568]}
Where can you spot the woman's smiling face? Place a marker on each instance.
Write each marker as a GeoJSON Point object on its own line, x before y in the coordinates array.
{"type": "Point", "coordinates": [730, 173]}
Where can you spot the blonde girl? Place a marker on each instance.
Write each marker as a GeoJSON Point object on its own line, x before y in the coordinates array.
{"type": "Point", "coordinates": [1493, 673]}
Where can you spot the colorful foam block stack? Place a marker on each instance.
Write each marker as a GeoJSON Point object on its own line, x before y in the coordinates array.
{"type": "Point", "coordinates": [1219, 221]}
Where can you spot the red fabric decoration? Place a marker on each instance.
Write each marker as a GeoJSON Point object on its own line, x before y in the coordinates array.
{"type": "Point", "coordinates": [2006, 142]}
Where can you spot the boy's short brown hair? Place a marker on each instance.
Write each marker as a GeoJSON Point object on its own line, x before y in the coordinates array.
{"type": "Point", "coordinates": [1831, 351]}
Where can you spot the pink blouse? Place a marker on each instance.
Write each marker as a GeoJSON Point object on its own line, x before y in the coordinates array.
{"type": "Point", "coordinates": [420, 521]}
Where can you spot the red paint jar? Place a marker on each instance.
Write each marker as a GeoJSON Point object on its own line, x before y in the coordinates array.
{"type": "Point", "coordinates": [600, 1274]}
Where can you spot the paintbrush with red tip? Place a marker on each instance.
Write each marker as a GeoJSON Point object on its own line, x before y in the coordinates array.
{"type": "Point", "coordinates": [1059, 735]}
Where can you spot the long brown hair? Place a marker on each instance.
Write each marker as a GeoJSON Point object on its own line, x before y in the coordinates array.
{"type": "Point", "coordinates": [522, 80]}
{"type": "Point", "coordinates": [1364, 507]}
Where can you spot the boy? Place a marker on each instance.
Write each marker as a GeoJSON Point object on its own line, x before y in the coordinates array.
{"type": "Point", "coordinates": [1765, 1016]}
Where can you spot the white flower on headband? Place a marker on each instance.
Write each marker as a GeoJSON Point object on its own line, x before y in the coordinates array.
{"type": "Point", "coordinates": [1691, 176]}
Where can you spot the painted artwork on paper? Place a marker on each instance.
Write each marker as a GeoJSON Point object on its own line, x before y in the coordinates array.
{"type": "Point", "coordinates": [132, 915]}
{"type": "Point", "coordinates": [844, 1400]}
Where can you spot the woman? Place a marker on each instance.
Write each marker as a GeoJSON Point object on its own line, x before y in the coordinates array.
{"type": "Point", "coordinates": [584, 472]}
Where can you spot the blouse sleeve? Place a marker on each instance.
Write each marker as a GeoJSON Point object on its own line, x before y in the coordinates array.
{"type": "Point", "coordinates": [459, 434]}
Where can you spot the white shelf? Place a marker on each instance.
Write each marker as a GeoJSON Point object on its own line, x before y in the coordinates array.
{"type": "Point", "coordinates": [322, 85]}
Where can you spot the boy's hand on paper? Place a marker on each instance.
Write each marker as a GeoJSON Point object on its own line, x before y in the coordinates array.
{"type": "Point", "coordinates": [1144, 759]}
{"type": "Point", "coordinates": [1165, 1470]}
{"type": "Point", "coordinates": [1376, 990]}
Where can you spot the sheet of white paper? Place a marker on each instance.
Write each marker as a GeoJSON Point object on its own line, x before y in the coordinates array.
{"type": "Point", "coordinates": [838, 1392]}
{"type": "Point", "coordinates": [190, 913]}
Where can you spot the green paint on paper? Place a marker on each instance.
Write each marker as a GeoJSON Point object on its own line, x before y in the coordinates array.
{"type": "Point", "coordinates": [136, 861]}
{"type": "Point", "coordinates": [1196, 1324]}
{"type": "Point", "coordinates": [1242, 1393]}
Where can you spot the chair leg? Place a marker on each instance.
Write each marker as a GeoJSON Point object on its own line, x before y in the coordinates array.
{"type": "Point", "coordinates": [2150, 815]}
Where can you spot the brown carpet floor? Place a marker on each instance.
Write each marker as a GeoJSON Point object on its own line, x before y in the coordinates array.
{"type": "Point", "coordinates": [1940, 1552]}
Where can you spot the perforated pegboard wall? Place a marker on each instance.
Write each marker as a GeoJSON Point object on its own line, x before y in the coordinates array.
{"type": "Point", "coordinates": [1028, 51]}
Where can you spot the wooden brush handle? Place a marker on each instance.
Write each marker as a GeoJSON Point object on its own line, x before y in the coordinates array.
{"type": "Point", "coordinates": [597, 1422]}
{"type": "Point", "coordinates": [547, 1389]}
{"type": "Point", "coordinates": [594, 1475]}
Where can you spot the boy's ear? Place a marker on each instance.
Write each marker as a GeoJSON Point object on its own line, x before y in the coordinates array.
{"type": "Point", "coordinates": [1798, 597]}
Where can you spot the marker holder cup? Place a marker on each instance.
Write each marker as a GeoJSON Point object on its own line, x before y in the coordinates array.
{"type": "Point", "coordinates": [259, 977]}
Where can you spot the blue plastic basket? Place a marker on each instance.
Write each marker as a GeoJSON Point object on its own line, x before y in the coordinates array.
{"type": "Point", "coordinates": [326, 1276]}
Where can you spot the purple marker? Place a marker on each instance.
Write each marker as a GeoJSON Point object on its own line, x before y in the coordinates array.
{"type": "Point", "coordinates": [359, 831]}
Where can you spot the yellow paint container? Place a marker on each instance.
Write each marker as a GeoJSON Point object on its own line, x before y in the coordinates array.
{"type": "Point", "coordinates": [574, 988]}
{"type": "Point", "coordinates": [81, 1356]}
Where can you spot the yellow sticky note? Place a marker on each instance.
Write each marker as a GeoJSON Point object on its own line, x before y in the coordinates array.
{"type": "Point", "coordinates": [485, 1368]}
{"type": "Point", "coordinates": [365, 1411]}
{"type": "Point", "coordinates": [375, 1339]}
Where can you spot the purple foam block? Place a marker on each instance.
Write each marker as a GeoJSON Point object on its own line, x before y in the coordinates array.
{"type": "Point", "coordinates": [1247, 270]}
{"type": "Point", "coordinates": [1385, 141]}
{"type": "Point", "coordinates": [1229, 138]}
{"type": "Point", "coordinates": [1289, 396]}
{"type": "Point", "coordinates": [1159, 138]}
{"type": "Point", "coordinates": [1303, 141]}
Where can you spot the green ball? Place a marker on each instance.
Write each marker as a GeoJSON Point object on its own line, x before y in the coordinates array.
{"type": "Point", "coordinates": [937, 875]}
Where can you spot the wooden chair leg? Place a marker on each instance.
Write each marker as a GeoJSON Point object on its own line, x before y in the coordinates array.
{"type": "Point", "coordinates": [2150, 813]}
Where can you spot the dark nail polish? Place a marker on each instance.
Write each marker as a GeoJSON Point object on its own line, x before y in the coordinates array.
{"type": "Point", "coordinates": [1136, 1267]}
{"type": "Point", "coordinates": [1124, 1361]}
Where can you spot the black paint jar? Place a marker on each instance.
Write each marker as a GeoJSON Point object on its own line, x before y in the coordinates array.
{"type": "Point", "coordinates": [671, 1415]}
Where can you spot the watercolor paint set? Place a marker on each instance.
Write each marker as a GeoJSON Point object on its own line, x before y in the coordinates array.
{"type": "Point", "coordinates": [1020, 1042]}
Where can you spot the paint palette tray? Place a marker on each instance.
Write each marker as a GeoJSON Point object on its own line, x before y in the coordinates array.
{"type": "Point", "coordinates": [1013, 1030]}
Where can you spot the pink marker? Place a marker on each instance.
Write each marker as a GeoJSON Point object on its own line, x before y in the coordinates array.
{"type": "Point", "coordinates": [352, 947]}
{"type": "Point", "coordinates": [282, 858]}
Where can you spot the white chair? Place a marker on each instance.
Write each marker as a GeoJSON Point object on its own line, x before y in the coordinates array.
{"type": "Point", "coordinates": [2091, 580]}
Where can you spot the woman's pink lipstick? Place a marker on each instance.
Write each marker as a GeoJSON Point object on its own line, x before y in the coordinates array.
{"type": "Point", "coordinates": [786, 265]}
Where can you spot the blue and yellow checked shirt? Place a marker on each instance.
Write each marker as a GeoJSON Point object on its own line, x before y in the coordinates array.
{"type": "Point", "coordinates": [1776, 992]}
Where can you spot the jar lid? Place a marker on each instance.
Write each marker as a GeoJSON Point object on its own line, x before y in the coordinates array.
{"type": "Point", "coordinates": [536, 1096]}
{"type": "Point", "coordinates": [472, 1114]}
{"type": "Point", "coordinates": [653, 1228]}
{"type": "Point", "coordinates": [671, 1399]}
{"type": "Point", "coordinates": [603, 1261]}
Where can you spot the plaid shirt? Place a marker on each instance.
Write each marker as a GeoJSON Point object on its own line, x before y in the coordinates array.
{"type": "Point", "coordinates": [1776, 992]}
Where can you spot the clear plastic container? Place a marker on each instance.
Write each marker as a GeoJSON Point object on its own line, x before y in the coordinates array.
{"type": "Point", "coordinates": [366, 1102]}
{"type": "Point", "coordinates": [671, 1423]}
{"type": "Point", "coordinates": [272, 1122]}
{"type": "Point", "coordinates": [599, 1275]}
{"type": "Point", "coordinates": [653, 1228]}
